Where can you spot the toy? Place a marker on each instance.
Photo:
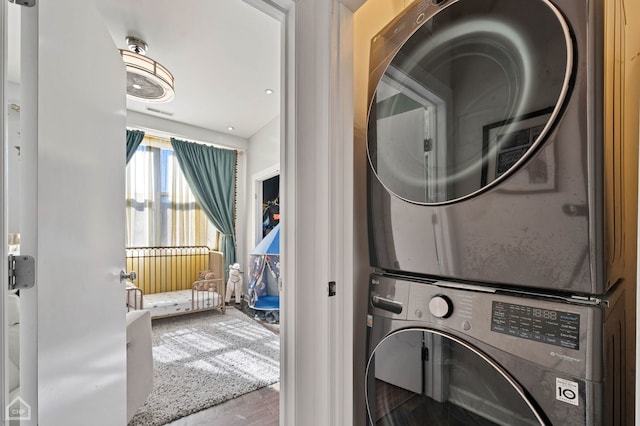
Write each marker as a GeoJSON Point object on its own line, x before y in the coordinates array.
{"type": "Point", "coordinates": [234, 284]}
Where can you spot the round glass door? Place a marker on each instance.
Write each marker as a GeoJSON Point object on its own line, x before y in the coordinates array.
{"type": "Point", "coordinates": [468, 97]}
{"type": "Point", "coordinates": [425, 377]}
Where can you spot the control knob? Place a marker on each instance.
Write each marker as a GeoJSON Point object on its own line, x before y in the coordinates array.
{"type": "Point", "coordinates": [440, 306]}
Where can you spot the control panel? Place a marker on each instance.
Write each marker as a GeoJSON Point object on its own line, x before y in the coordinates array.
{"type": "Point", "coordinates": [547, 332]}
{"type": "Point", "coordinates": [542, 325]}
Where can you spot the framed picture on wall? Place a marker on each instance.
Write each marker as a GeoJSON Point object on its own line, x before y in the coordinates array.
{"type": "Point", "coordinates": [505, 142]}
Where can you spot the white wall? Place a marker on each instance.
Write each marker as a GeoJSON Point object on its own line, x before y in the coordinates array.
{"type": "Point", "coordinates": [165, 128]}
{"type": "Point", "coordinates": [13, 159]}
{"type": "Point", "coordinates": [263, 156]}
{"type": "Point", "coordinates": [264, 148]}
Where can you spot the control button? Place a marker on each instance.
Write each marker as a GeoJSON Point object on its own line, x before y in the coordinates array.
{"type": "Point", "coordinates": [418, 313]}
{"type": "Point", "coordinates": [440, 306]}
{"type": "Point", "coordinates": [466, 325]}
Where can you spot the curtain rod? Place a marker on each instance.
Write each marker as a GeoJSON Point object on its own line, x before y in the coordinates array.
{"type": "Point", "coordinates": [157, 138]}
{"type": "Point", "coordinates": [161, 139]}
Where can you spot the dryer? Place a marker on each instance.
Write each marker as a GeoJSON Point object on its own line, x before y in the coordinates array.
{"type": "Point", "coordinates": [494, 144]}
{"type": "Point", "coordinates": [446, 353]}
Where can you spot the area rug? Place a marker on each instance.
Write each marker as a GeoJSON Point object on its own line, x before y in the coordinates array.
{"type": "Point", "coordinates": [205, 358]}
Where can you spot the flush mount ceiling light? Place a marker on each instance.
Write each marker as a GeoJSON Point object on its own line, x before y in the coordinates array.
{"type": "Point", "coordinates": [147, 80]}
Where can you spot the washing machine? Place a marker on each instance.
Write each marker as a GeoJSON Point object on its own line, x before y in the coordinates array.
{"type": "Point", "coordinates": [495, 145]}
{"type": "Point", "coordinates": [446, 353]}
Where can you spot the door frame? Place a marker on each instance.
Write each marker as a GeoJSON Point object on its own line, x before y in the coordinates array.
{"type": "Point", "coordinates": [286, 12]}
{"type": "Point", "coordinates": [316, 194]}
{"type": "Point", "coordinates": [257, 180]}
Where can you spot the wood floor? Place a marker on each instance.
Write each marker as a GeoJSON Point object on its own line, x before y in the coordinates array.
{"type": "Point", "coordinates": [260, 407]}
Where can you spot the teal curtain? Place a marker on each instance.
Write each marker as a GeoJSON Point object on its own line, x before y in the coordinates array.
{"type": "Point", "coordinates": [211, 174]}
{"type": "Point", "coordinates": [134, 137]}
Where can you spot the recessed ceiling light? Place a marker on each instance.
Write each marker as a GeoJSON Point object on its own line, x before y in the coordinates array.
{"type": "Point", "coordinates": [268, 91]}
{"type": "Point", "coordinates": [136, 86]}
{"type": "Point", "coordinates": [231, 128]}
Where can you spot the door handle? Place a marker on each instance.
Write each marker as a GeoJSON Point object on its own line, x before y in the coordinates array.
{"type": "Point", "coordinates": [131, 276]}
{"type": "Point", "coordinates": [386, 304]}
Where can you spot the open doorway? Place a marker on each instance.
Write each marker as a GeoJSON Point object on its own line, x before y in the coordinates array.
{"type": "Point", "coordinates": [270, 204]}
{"type": "Point", "coordinates": [257, 147]}
{"type": "Point", "coordinates": [201, 333]}
{"type": "Point", "coordinates": [264, 203]}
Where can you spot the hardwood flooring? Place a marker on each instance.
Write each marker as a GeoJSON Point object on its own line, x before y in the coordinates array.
{"type": "Point", "coordinates": [257, 408]}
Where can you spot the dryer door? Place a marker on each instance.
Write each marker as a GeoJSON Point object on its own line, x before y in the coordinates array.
{"type": "Point", "coordinates": [425, 377]}
{"type": "Point", "coordinates": [462, 93]}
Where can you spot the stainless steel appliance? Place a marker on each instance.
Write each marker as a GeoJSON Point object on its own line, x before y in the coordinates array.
{"type": "Point", "coordinates": [496, 147]}
{"type": "Point", "coordinates": [502, 203]}
{"type": "Point", "coordinates": [446, 353]}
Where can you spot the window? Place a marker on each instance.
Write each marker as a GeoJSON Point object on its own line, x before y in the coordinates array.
{"type": "Point", "coordinates": [161, 210]}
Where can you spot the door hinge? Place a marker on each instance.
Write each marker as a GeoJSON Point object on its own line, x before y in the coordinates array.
{"type": "Point", "coordinates": [22, 270]}
{"type": "Point", "coordinates": [332, 288]}
{"type": "Point", "coordinates": [27, 3]}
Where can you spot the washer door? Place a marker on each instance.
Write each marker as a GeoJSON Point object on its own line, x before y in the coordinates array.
{"type": "Point", "coordinates": [425, 377]}
{"type": "Point", "coordinates": [466, 96]}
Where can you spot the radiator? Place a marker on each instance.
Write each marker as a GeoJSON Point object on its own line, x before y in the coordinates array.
{"type": "Point", "coordinates": [163, 269]}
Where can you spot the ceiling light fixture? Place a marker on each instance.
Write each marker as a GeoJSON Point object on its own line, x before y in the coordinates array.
{"type": "Point", "coordinates": [231, 128]}
{"type": "Point", "coordinates": [268, 91]}
{"type": "Point", "coordinates": [147, 80]}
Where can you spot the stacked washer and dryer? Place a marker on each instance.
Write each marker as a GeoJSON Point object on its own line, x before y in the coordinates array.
{"type": "Point", "coordinates": [502, 208]}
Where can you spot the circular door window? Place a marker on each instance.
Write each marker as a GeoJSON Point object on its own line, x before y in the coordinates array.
{"type": "Point", "coordinates": [425, 377]}
{"type": "Point", "coordinates": [469, 96]}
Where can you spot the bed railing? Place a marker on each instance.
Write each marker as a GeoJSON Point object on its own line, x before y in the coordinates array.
{"type": "Point", "coordinates": [162, 269]}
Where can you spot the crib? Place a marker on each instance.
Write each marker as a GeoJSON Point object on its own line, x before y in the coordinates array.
{"type": "Point", "coordinates": [175, 280]}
